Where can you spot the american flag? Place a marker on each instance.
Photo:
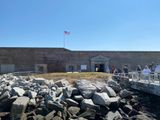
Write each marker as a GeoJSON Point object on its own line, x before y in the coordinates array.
{"type": "Point", "coordinates": [66, 33]}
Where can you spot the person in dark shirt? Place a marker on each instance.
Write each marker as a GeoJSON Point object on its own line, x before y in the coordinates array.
{"type": "Point", "coordinates": [139, 70]}
{"type": "Point", "coordinates": [152, 68]}
{"type": "Point", "coordinates": [125, 70]}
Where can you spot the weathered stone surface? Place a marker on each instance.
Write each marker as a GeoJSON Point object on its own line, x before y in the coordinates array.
{"type": "Point", "coordinates": [39, 117]}
{"type": "Point", "coordinates": [114, 85]}
{"type": "Point", "coordinates": [31, 94]}
{"type": "Point", "coordinates": [89, 114]}
{"type": "Point", "coordinates": [71, 102]}
{"type": "Point", "coordinates": [5, 96]}
{"type": "Point", "coordinates": [113, 115]}
{"type": "Point", "coordinates": [125, 94]}
{"type": "Point", "coordinates": [123, 102]}
{"type": "Point", "coordinates": [127, 108]}
{"type": "Point", "coordinates": [114, 103]}
{"type": "Point", "coordinates": [86, 88]}
{"type": "Point", "coordinates": [18, 107]}
{"type": "Point", "coordinates": [99, 85]}
{"type": "Point", "coordinates": [42, 111]}
{"type": "Point", "coordinates": [50, 115]}
{"type": "Point", "coordinates": [49, 101]}
{"type": "Point", "coordinates": [101, 99]}
{"type": "Point", "coordinates": [88, 103]}
{"type": "Point", "coordinates": [109, 91]}
{"type": "Point", "coordinates": [140, 117]}
{"type": "Point", "coordinates": [55, 106]}
{"type": "Point", "coordinates": [17, 91]}
{"type": "Point", "coordinates": [32, 102]}
{"type": "Point", "coordinates": [57, 118]}
{"type": "Point", "coordinates": [67, 92]}
{"type": "Point", "coordinates": [62, 83]}
{"type": "Point", "coordinates": [40, 81]}
{"type": "Point", "coordinates": [137, 106]}
{"type": "Point", "coordinates": [78, 98]}
{"type": "Point", "coordinates": [73, 110]}
{"type": "Point", "coordinates": [133, 113]}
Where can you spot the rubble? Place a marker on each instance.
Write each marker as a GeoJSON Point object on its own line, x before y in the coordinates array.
{"type": "Point", "coordinates": [28, 98]}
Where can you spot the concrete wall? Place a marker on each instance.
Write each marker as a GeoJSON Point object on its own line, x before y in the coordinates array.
{"type": "Point", "coordinates": [58, 59]}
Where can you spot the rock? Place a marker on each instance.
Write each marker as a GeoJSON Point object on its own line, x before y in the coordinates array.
{"type": "Point", "coordinates": [88, 114]}
{"type": "Point", "coordinates": [62, 83]}
{"type": "Point", "coordinates": [59, 113]}
{"type": "Point", "coordinates": [127, 108]}
{"type": "Point", "coordinates": [133, 113]}
{"type": "Point", "coordinates": [86, 88]}
{"type": "Point", "coordinates": [113, 115]}
{"type": "Point", "coordinates": [88, 103]}
{"type": "Point", "coordinates": [32, 102]}
{"type": "Point", "coordinates": [101, 99]}
{"type": "Point", "coordinates": [73, 110]}
{"type": "Point", "coordinates": [40, 81]}
{"type": "Point", "coordinates": [109, 91]}
{"type": "Point", "coordinates": [50, 115]}
{"type": "Point", "coordinates": [42, 111]}
{"type": "Point", "coordinates": [114, 85]}
{"type": "Point", "coordinates": [140, 117]}
{"type": "Point", "coordinates": [78, 98]}
{"type": "Point", "coordinates": [103, 111]}
{"type": "Point", "coordinates": [6, 104]}
{"type": "Point", "coordinates": [100, 85]}
{"type": "Point", "coordinates": [137, 106]}
{"type": "Point", "coordinates": [114, 103]}
{"type": "Point", "coordinates": [39, 117]}
{"type": "Point", "coordinates": [17, 91]}
{"type": "Point", "coordinates": [58, 92]}
{"type": "Point", "coordinates": [71, 102]}
{"type": "Point", "coordinates": [133, 101]}
{"type": "Point", "coordinates": [57, 118]}
{"type": "Point", "coordinates": [31, 94]}
{"type": "Point", "coordinates": [55, 106]}
{"type": "Point", "coordinates": [7, 88]}
{"type": "Point", "coordinates": [67, 92]}
{"type": "Point", "coordinates": [5, 96]}
{"type": "Point", "coordinates": [18, 107]}
{"type": "Point", "coordinates": [125, 94]}
{"type": "Point", "coordinates": [124, 115]}
{"type": "Point", "coordinates": [122, 102]}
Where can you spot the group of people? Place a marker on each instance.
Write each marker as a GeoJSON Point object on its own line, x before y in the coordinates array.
{"type": "Point", "coordinates": [146, 72]}
{"type": "Point", "coordinates": [117, 71]}
{"type": "Point", "coordinates": [149, 71]}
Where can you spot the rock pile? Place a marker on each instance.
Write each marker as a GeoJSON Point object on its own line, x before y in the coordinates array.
{"type": "Point", "coordinates": [26, 98]}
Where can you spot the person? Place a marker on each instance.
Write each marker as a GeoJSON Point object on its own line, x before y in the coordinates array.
{"type": "Point", "coordinates": [139, 70]}
{"type": "Point", "coordinates": [115, 72]}
{"type": "Point", "coordinates": [157, 71]}
{"type": "Point", "coordinates": [152, 68]}
{"type": "Point", "coordinates": [146, 72]}
{"type": "Point", "coordinates": [125, 70]}
{"type": "Point", "coordinates": [113, 69]}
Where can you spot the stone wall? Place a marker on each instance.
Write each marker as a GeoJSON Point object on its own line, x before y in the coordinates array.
{"type": "Point", "coordinates": [59, 59]}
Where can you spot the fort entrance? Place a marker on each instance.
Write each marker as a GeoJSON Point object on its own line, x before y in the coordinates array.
{"type": "Point", "coordinates": [99, 64]}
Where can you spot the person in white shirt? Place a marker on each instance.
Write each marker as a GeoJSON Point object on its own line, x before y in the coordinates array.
{"type": "Point", "coordinates": [157, 71]}
{"type": "Point", "coordinates": [146, 72]}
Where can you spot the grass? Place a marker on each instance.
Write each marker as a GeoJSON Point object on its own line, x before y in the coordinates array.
{"type": "Point", "coordinates": [71, 77]}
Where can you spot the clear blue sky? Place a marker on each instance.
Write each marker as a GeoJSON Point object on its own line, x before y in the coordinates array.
{"type": "Point", "coordinates": [94, 24]}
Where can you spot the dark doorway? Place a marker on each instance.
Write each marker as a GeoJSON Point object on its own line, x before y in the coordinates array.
{"type": "Point", "coordinates": [99, 68]}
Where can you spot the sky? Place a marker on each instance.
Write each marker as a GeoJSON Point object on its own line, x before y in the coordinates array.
{"type": "Point", "coordinates": [125, 25]}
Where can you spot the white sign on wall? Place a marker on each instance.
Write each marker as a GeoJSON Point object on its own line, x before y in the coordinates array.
{"type": "Point", "coordinates": [83, 67]}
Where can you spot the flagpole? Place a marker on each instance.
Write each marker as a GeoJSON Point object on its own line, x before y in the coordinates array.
{"type": "Point", "coordinates": [64, 40]}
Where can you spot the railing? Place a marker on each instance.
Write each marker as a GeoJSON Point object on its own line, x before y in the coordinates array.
{"type": "Point", "coordinates": [135, 76]}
